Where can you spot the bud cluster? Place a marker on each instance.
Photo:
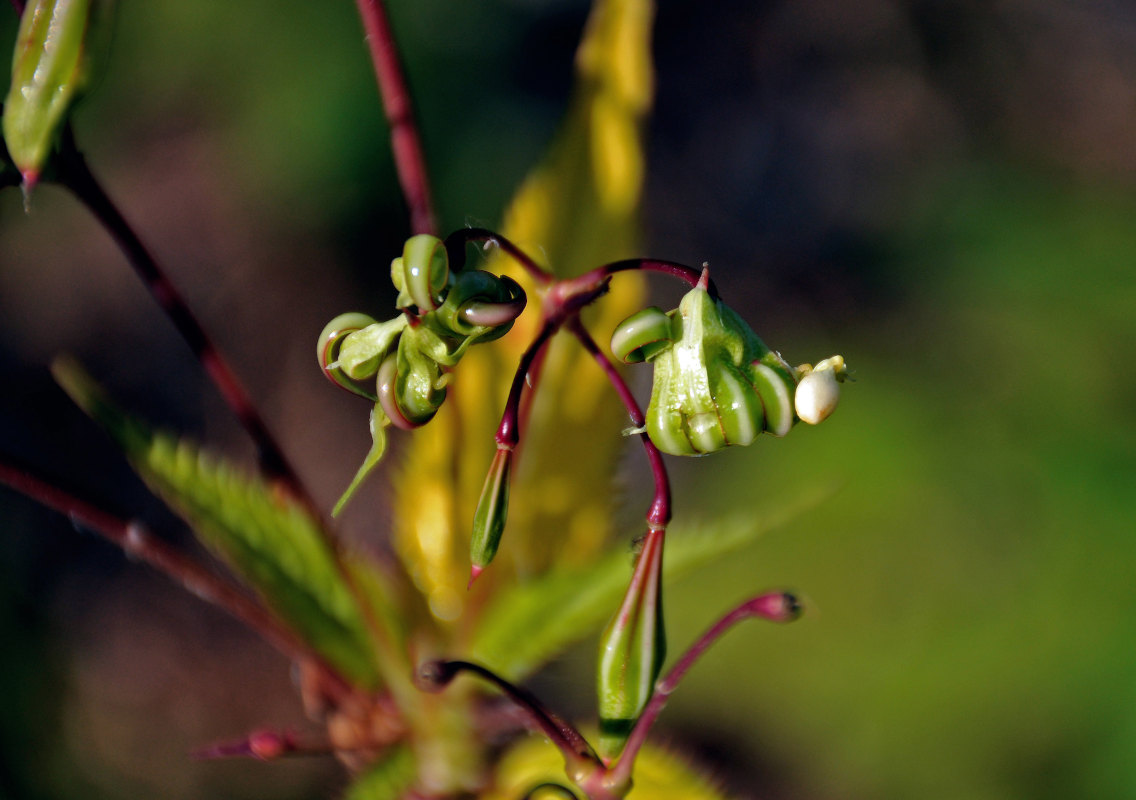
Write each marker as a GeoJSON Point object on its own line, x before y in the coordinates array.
{"type": "Point", "coordinates": [409, 357]}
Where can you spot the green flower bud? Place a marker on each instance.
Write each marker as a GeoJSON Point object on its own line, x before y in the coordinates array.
{"type": "Point", "coordinates": [492, 512]}
{"type": "Point", "coordinates": [49, 72]}
{"type": "Point", "coordinates": [422, 273]}
{"type": "Point", "coordinates": [717, 384]}
{"type": "Point", "coordinates": [642, 336]}
{"type": "Point", "coordinates": [632, 650]}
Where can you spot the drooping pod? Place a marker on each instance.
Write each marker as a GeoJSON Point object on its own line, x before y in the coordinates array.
{"type": "Point", "coordinates": [422, 273]}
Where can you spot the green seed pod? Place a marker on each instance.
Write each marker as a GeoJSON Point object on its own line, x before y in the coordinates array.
{"type": "Point", "coordinates": [717, 384]}
{"type": "Point", "coordinates": [480, 305]}
{"type": "Point", "coordinates": [330, 344]}
{"type": "Point", "coordinates": [422, 273]}
{"type": "Point", "coordinates": [49, 72]}
{"type": "Point", "coordinates": [632, 650]}
{"type": "Point", "coordinates": [411, 385]}
{"type": "Point", "coordinates": [642, 336]}
{"type": "Point", "coordinates": [492, 512]}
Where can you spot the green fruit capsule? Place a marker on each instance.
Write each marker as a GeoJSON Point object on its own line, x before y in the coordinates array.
{"type": "Point", "coordinates": [716, 383]}
{"type": "Point", "coordinates": [422, 273]}
{"type": "Point", "coordinates": [632, 650]}
{"type": "Point", "coordinates": [49, 72]}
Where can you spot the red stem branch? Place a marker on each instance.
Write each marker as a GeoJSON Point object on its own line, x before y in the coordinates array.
{"type": "Point", "coordinates": [659, 513]}
{"type": "Point", "coordinates": [775, 607]}
{"type": "Point", "coordinates": [405, 142]}
{"type": "Point", "coordinates": [136, 541]}
{"type": "Point", "coordinates": [455, 248]}
{"type": "Point", "coordinates": [75, 174]}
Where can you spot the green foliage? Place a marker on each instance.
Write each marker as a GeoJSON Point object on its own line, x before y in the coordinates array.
{"type": "Point", "coordinates": [529, 623]}
{"type": "Point", "coordinates": [388, 779]}
{"type": "Point", "coordinates": [268, 539]}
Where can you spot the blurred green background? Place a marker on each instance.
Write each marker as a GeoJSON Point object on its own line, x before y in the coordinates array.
{"type": "Point", "coordinates": [944, 193]}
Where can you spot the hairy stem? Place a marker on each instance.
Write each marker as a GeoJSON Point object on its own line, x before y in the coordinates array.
{"type": "Point", "coordinates": [137, 542]}
{"type": "Point", "coordinates": [405, 141]}
{"type": "Point", "coordinates": [659, 513]}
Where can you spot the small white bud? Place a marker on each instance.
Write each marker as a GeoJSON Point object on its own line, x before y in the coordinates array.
{"type": "Point", "coordinates": [818, 391]}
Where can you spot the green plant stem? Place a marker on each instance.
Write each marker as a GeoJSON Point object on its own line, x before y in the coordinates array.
{"type": "Point", "coordinates": [137, 542]}
{"type": "Point", "coordinates": [406, 144]}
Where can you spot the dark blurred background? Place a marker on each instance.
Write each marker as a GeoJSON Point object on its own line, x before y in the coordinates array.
{"type": "Point", "coordinates": [943, 192]}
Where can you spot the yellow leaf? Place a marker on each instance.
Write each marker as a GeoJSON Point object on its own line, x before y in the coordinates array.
{"type": "Point", "coordinates": [576, 210]}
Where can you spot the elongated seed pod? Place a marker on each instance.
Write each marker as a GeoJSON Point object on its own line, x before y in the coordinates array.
{"type": "Point", "coordinates": [492, 512]}
{"type": "Point", "coordinates": [49, 71]}
{"type": "Point", "coordinates": [632, 650]}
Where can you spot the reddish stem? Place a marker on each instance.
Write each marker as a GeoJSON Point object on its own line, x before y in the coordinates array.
{"type": "Point", "coordinates": [673, 268]}
{"type": "Point", "coordinates": [775, 607]}
{"type": "Point", "coordinates": [137, 542]}
{"type": "Point", "coordinates": [455, 248]}
{"type": "Point", "coordinates": [75, 174]}
{"type": "Point", "coordinates": [436, 675]}
{"type": "Point", "coordinates": [659, 513]}
{"type": "Point", "coordinates": [405, 142]}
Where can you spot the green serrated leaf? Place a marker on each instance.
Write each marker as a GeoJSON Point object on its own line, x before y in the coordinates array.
{"type": "Point", "coordinates": [267, 538]}
{"type": "Point", "coordinates": [530, 623]}
{"type": "Point", "coordinates": [387, 780]}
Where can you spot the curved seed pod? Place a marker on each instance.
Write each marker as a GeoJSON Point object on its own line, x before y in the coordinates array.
{"type": "Point", "coordinates": [480, 305]}
{"type": "Point", "coordinates": [387, 392]}
{"type": "Point", "coordinates": [642, 336]}
{"type": "Point", "coordinates": [329, 344]}
{"type": "Point", "coordinates": [49, 72]}
{"type": "Point", "coordinates": [773, 380]}
{"type": "Point", "coordinates": [419, 388]}
{"type": "Point", "coordinates": [421, 273]}
{"type": "Point", "coordinates": [362, 351]}
{"type": "Point", "coordinates": [632, 650]}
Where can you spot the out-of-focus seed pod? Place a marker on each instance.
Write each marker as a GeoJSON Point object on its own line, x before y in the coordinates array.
{"type": "Point", "coordinates": [632, 650]}
{"type": "Point", "coordinates": [642, 336]}
{"type": "Point", "coordinates": [492, 512]}
{"type": "Point", "coordinates": [480, 305]}
{"type": "Point", "coordinates": [421, 274]}
{"type": "Point", "coordinates": [819, 389]}
{"type": "Point", "coordinates": [378, 424]}
{"type": "Point", "coordinates": [49, 72]}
